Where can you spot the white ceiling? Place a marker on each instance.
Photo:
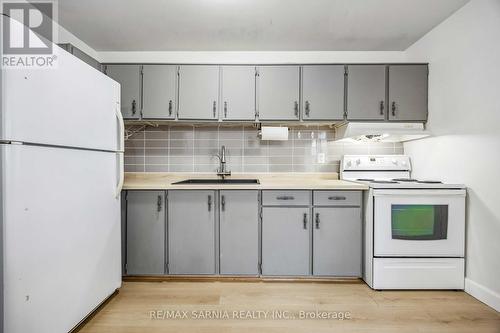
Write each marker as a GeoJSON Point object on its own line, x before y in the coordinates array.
{"type": "Point", "coordinates": [253, 25]}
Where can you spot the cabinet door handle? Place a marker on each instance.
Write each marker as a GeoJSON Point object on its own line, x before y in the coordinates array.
{"type": "Point", "coordinates": [225, 109]}
{"type": "Point", "coordinates": [307, 108]}
{"type": "Point", "coordinates": [285, 197]}
{"type": "Point", "coordinates": [317, 220]}
{"type": "Point", "coordinates": [170, 107]}
{"type": "Point", "coordinates": [209, 203]}
{"type": "Point", "coordinates": [393, 108]}
{"type": "Point", "coordinates": [296, 109]}
{"type": "Point", "coordinates": [382, 107]}
{"type": "Point", "coordinates": [215, 108]}
{"type": "Point", "coordinates": [337, 198]}
{"type": "Point", "coordinates": [305, 221]}
{"type": "Point", "coordinates": [134, 107]}
{"type": "Point", "coordinates": [159, 203]}
{"type": "Point", "coordinates": [223, 203]}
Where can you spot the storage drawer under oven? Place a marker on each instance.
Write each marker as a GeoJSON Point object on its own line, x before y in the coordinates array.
{"type": "Point", "coordinates": [418, 273]}
{"type": "Point", "coordinates": [419, 223]}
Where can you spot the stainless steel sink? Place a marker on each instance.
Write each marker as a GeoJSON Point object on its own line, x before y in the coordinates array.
{"type": "Point", "coordinates": [217, 181]}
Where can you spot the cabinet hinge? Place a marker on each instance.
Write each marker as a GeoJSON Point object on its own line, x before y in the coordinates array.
{"type": "Point", "coordinates": [346, 71]}
{"type": "Point", "coordinates": [142, 70]}
{"type": "Point", "coordinates": [257, 72]}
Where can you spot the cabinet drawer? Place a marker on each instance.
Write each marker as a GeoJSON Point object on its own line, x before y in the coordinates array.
{"type": "Point", "coordinates": [286, 198]}
{"type": "Point", "coordinates": [337, 198]}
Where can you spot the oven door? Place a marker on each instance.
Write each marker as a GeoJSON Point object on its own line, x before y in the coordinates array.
{"type": "Point", "coordinates": [419, 223]}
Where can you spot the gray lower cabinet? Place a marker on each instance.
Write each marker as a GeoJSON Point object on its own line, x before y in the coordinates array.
{"type": "Point", "coordinates": [366, 88]}
{"type": "Point", "coordinates": [337, 241]}
{"type": "Point", "coordinates": [238, 93]}
{"type": "Point", "coordinates": [239, 232]}
{"type": "Point", "coordinates": [129, 78]}
{"type": "Point", "coordinates": [191, 232]}
{"type": "Point", "coordinates": [145, 233]}
{"type": "Point", "coordinates": [198, 92]}
{"type": "Point", "coordinates": [286, 238]}
{"type": "Point", "coordinates": [408, 92]}
{"type": "Point", "coordinates": [159, 91]}
{"type": "Point", "coordinates": [278, 92]}
{"type": "Point", "coordinates": [323, 92]}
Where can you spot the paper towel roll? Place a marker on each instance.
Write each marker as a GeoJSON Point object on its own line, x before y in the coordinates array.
{"type": "Point", "coordinates": [274, 133]}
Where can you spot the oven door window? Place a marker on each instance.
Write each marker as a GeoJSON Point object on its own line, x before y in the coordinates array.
{"type": "Point", "coordinates": [419, 222]}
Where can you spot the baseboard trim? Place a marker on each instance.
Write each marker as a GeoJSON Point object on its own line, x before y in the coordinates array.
{"type": "Point", "coordinates": [218, 278]}
{"type": "Point", "coordinates": [483, 294]}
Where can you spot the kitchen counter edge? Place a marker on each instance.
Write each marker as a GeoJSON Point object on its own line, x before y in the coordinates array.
{"type": "Point", "coordinates": [302, 181]}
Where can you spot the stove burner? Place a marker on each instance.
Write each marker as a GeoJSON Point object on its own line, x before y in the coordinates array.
{"type": "Point", "coordinates": [429, 182]}
{"type": "Point", "coordinates": [365, 179]}
{"type": "Point", "coordinates": [405, 180]}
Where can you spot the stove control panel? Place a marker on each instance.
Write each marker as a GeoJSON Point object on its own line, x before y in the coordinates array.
{"type": "Point", "coordinates": [376, 162]}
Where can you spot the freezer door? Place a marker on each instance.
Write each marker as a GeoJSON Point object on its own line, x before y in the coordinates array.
{"type": "Point", "coordinates": [71, 105]}
{"type": "Point", "coordinates": [62, 235]}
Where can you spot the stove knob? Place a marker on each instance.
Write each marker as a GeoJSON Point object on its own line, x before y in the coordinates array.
{"type": "Point", "coordinates": [358, 161]}
{"type": "Point", "coordinates": [404, 163]}
{"type": "Point", "coordinates": [394, 161]}
{"type": "Point", "coordinates": [349, 163]}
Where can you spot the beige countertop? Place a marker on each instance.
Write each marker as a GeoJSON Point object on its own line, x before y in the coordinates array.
{"type": "Point", "coordinates": [295, 181]}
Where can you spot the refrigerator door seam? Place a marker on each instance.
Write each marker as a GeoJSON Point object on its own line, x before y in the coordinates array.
{"type": "Point", "coordinates": [63, 147]}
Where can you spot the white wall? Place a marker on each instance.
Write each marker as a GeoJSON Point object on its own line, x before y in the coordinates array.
{"type": "Point", "coordinates": [253, 57]}
{"type": "Point", "coordinates": [64, 36]}
{"type": "Point", "coordinates": [464, 114]}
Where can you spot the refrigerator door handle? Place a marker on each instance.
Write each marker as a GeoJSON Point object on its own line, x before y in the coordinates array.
{"type": "Point", "coordinates": [121, 176]}
{"type": "Point", "coordinates": [121, 124]}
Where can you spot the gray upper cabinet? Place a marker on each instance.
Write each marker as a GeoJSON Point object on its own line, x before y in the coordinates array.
{"type": "Point", "coordinates": [366, 88]}
{"type": "Point", "coordinates": [323, 92]}
{"type": "Point", "coordinates": [408, 92]}
{"type": "Point", "coordinates": [278, 92]}
{"type": "Point", "coordinates": [81, 55]}
{"type": "Point", "coordinates": [159, 91]}
{"type": "Point", "coordinates": [285, 241]}
{"type": "Point", "coordinates": [129, 78]}
{"type": "Point", "coordinates": [191, 232]}
{"type": "Point", "coordinates": [337, 241]}
{"type": "Point", "coordinates": [239, 232]}
{"type": "Point", "coordinates": [198, 92]}
{"type": "Point", "coordinates": [238, 93]}
{"type": "Point", "coordinates": [145, 233]}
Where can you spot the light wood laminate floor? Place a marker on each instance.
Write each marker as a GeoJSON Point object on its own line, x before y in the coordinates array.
{"type": "Point", "coordinates": [370, 311]}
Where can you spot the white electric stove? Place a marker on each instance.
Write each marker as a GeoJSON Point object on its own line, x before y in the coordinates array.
{"type": "Point", "coordinates": [414, 230]}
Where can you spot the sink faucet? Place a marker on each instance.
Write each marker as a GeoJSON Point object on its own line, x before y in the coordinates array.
{"type": "Point", "coordinates": [222, 172]}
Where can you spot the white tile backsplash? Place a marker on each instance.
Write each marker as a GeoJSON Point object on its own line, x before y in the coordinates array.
{"type": "Point", "coordinates": [181, 148]}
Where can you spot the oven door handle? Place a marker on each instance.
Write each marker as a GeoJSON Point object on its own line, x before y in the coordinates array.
{"type": "Point", "coordinates": [420, 192]}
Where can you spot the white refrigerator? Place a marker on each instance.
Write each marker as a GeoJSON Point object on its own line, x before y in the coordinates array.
{"type": "Point", "coordinates": [61, 166]}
